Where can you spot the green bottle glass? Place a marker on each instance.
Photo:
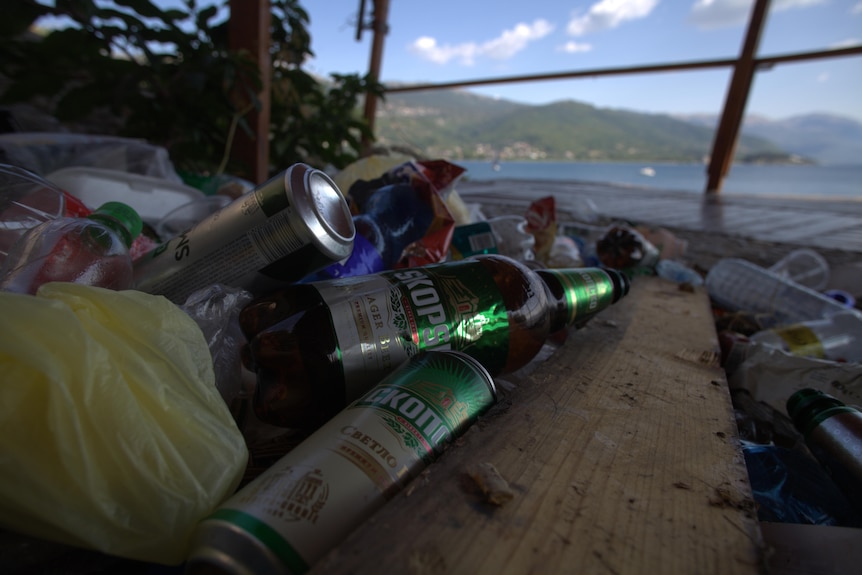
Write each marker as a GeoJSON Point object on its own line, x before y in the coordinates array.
{"type": "Point", "coordinates": [316, 347]}
{"type": "Point", "coordinates": [833, 432]}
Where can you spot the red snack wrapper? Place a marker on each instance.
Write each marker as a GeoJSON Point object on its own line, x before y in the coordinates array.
{"type": "Point", "coordinates": [541, 219]}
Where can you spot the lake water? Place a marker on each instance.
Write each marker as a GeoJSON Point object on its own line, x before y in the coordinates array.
{"type": "Point", "coordinates": [793, 180]}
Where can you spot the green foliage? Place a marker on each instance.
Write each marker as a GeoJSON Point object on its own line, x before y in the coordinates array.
{"type": "Point", "coordinates": [168, 76]}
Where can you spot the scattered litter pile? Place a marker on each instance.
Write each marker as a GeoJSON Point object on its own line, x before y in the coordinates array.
{"type": "Point", "coordinates": [143, 397]}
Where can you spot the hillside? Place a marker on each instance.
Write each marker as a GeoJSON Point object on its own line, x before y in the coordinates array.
{"type": "Point", "coordinates": [460, 125]}
{"type": "Point", "coordinates": [826, 138]}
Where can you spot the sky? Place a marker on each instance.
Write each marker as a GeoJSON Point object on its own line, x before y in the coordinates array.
{"type": "Point", "coordinates": [456, 40]}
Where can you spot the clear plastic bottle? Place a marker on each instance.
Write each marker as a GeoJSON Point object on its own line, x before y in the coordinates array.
{"type": "Point", "coordinates": [27, 200]}
{"type": "Point", "coordinates": [315, 347]}
{"type": "Point", "coordinates": [837, 338]}
{"type": "Point", "coordinates": [678, 272]}
{"type": "Point", "coordinates": [739, 285]}
{"type": "Point", "coordinates": [504, 235]}
{"type": "Point", "coordinates": [93, 250]}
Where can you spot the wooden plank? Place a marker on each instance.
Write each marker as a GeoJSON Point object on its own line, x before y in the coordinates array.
{"type": "Point", "coordinates": [380, 26]}
{"type": "Point", "coordinates": [621, 449]}
{"type": "Point", "coordinates": [724, 144]}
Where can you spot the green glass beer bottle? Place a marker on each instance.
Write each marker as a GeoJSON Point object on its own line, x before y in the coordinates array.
{"type": "Point", "coordinates": [833, 433]}
{"type": "Point", "coordinates": [316, 347]}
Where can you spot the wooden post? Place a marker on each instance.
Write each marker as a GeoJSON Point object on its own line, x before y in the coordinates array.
{"type": "Point", "coordinates": [248, 29]}
{"type": "Point", "coordinates": [726, 135]}
{"type": "Point", "coordinates": [380, 25]}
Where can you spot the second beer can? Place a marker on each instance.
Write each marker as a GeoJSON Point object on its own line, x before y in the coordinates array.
{"type": "Point", "coordinates": [290, 516]}
{"type": "Point", "coordinates": [292, 225]}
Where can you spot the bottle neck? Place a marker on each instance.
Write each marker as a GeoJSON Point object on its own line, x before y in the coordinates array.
{"type": "Point", "coordinates": [115, 226]}
{"type": "Point", "coordinates": [808, 408]}
{"type": "Point", "coordinates": [576, 295]}
{"type": "Point", "coordinates": [121, 218]}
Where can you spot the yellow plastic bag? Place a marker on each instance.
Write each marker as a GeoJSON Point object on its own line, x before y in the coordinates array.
{"type": "Point", "coordinates": [114, 436]}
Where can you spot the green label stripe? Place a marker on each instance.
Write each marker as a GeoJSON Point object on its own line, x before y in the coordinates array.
{"type": "Point", "coordinates": [588, 291]}
{"type": "Point", "coordinates": [266, 535]}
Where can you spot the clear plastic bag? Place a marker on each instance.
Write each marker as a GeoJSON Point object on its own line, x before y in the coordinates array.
{"type": "Point", "coordinates": [216, 311]}
{"type": "Point", "coordinates": [114, 435]}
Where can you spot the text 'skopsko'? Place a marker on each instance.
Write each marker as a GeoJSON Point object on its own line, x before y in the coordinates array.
{"type": "Point", "coordinates": [294, 224]}
{"type": "Point", "coordinates": [290, 516]}
{"type": "Point", "coordinates": [315, 347]}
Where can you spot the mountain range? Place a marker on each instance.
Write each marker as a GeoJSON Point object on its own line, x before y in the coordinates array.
{"type": "Point", "coordinates": [457, 124]}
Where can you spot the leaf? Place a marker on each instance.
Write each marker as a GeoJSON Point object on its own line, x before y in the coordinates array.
{"type": "Point", "coordinates": [205, 15]}
{"type": "Point", "coordinates": [143, 7]}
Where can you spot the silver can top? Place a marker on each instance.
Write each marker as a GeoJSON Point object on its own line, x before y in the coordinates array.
{"type": "Point", "coordinates": [323, 209]}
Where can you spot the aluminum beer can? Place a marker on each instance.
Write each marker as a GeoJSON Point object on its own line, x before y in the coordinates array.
{"type": "Point", "coordinates": [294, 224]}
{"type": "Point", "coordinates": [290, 516]}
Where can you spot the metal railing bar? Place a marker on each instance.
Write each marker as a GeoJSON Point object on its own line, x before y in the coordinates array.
{"type": "Point", "coordinates": [764, 62]}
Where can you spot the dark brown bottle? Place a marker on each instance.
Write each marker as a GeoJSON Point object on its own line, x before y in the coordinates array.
{"type": "Point", "coordinates": [316, 347]}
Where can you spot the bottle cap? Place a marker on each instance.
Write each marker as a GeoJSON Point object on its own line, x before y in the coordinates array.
{"type": "Point", "coordinates": [130, 222]}
{"type": "Point", "coordinates": [621, 282]}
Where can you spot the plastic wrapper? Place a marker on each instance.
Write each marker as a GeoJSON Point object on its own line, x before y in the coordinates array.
{"type": "Point", "coordinates": [114, 435]}
{"type": "Point", "coordinates": [772, 375]}
{"type": "Point", "coordinates": [585, 237]}
{"type": "Point", "coordinates": [565, 254]}
{"type": "Point", "coordinates": [216, 311]}
{"type": "Point", "coordinates": [791, 487]}
{"type": "Point", "coordinates": [368, 168]}
{"type": "Point", "coordinates": [46, 152]}
{"type": "Point", "coordinates": [401, 219]}
{"type": "Point", "coordinates": [666, 242]}
{"type": "Point", "coordinates": [542, 223]}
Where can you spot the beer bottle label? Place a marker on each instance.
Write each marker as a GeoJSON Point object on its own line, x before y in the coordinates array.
{"type": "Point", "coordinates": [382, 320]}
{"type": "Point", "coordinates": [800, 340]}
{"type": "Point", "coordinates": [588, 291]}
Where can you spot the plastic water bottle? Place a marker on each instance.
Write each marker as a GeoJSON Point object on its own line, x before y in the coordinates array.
{"type": "Point", "coordinates": [504, 235]}
{"type": "Point", "coordinates": [93, 250]}
{"type": "Point", "coordinates": [27, 200]}
{"type": "Point", "coordinates": [739, 285]}
{"type": "Point", "coordinates": [677, 272]}
{"type": "Point", "coordinates": [837, 338]}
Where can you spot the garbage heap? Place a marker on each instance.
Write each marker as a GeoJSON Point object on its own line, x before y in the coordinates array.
{"type": "Point", "coordinates": [144, 384]}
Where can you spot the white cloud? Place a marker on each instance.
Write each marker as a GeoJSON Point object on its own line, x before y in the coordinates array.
{"type": "Point", "coordinates": [857, 8]}
{"type": "Point", "coordinates": [722, 13]}
{"type": "Point", "coordinates": [503, 47]}
{"type": "Point", "coordinates": [574, 47]}
{"type": "Point", "coordinates": [848, 43]}
{"type": "Point", "coordinates": [608, 14]}
{"type": "Point", "coordinates": [428, 49]}
{"type": "Point", "coordinates": [824, 77]}
{"type": "Point", "coordinates": [510, 42]}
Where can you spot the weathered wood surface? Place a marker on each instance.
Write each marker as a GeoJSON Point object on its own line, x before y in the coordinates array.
{"type": "Point", "coordinates": [621, 450]}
